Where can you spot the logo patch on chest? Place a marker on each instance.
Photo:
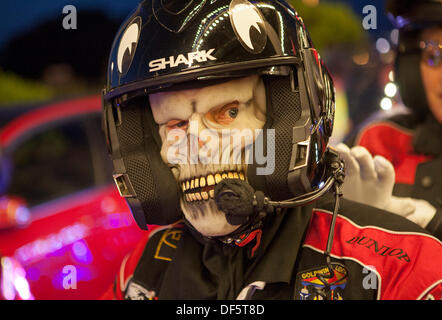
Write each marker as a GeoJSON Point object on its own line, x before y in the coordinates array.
{"type": "Point", "coordinates": [319, 284]}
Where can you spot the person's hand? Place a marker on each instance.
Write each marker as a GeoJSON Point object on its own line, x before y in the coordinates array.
{"type": "Point", "coordinates": [422, 214]}
{"type": "Point", "coordinates": [370, 180]}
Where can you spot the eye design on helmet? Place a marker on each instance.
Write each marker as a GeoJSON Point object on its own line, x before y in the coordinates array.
{"type": "Point", "coordinates": [245, 17]}
{"type": "Point", "coordinates": [128, 45]}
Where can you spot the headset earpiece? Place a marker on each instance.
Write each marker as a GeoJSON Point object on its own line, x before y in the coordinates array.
{"type": "Point", "coordinates": [135, 152]}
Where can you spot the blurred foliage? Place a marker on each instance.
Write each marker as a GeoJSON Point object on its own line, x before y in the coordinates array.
{"type": "Point", "coordinates": [331, 24]}
{"type": "Point", "coordinates": [14, 89]}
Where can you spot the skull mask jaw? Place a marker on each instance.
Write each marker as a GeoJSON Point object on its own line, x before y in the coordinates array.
{"type": "Point", "coordinates": [205, 133]}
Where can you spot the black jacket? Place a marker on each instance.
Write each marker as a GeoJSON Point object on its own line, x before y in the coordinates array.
{"type": "Point", "coordinates": [375, 255]}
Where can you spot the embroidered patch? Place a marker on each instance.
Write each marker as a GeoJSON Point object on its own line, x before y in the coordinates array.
{"type": "Point", "coordinates": [135, 291]}
{"type": "Point", "coordinates": [167, 244]}
{"type": "Point", "coordinates": [314, 284]}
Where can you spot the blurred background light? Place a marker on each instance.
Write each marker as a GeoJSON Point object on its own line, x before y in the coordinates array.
{"type": "Point", "coordinates": [394, 36]}
{"type": "Point", "coordinates": [391, 75]}
{"type": "Point", "coordinates": [23, 215]}
{"type": "Point", "coordinates": [390, 89]}
{"type": "Point", "coordinates": [311, 3]}
{"type": "Point", "coordinates": [386, 104]}
{"type": "Point", "coordinates": [81, 252]}
{"type": "Point", "coordinates": [382, 45]}
{"type": "Point", "coordinates": [22, 287]}
{"type": "Point", "coordinates": [361, 59]}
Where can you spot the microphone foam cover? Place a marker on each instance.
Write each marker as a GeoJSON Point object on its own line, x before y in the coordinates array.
{"type": "Point", "coordinates": [235, 198]}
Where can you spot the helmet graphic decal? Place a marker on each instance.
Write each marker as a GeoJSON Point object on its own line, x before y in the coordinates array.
{"type": "Point", "coordinates": [245, 19]}
{"type": "Point", "coordinates": [128, 45]}
{"type": "Point", "coordinates": [175, 15]}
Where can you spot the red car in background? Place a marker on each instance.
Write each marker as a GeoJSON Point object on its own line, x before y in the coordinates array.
{"type": "Point", "coordinates": [64, 229]}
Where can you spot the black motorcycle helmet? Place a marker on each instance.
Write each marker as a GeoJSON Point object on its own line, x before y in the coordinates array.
{"type": "Point", "coordinates": [167, 44]}
{"type": "Point", "coordinates": [411, 17]}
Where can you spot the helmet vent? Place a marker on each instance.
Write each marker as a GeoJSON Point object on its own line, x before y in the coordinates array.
{"type": "Point", "coordinates": [285, 112]}
{"type": "Point", "coordinates": [176, 6]}
{"type": "Point", "coordinates": [176, 15]}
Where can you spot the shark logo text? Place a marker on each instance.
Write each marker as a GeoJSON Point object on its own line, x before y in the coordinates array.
{"type": "Point", "coordinates": [189, 59]}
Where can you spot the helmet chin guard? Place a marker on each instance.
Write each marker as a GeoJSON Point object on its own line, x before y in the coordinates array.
{"type": "Point", "coordinates": [159, 47]}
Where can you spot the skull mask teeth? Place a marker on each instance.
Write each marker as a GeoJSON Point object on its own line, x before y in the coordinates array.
{"type": "Point", "coordinates": [203, 188]}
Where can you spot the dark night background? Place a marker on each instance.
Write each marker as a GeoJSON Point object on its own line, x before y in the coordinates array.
{"type": "Point", "coordinates": [58, 165]}
{"type": "Point", "coordinates": [40, 59]}
{"type": "Point", "coordinates": [21, 15]}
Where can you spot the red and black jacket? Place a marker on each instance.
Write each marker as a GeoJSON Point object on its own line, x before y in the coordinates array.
{"type": "Point", "coordinates": [415, 150]}
{"type": "Point", "coordinates": [375, 255]}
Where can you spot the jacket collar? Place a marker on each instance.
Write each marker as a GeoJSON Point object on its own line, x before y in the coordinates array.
{"type": "Point", "coordinates": [213, 270]}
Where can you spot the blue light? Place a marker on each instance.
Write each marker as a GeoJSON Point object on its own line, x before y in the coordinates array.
{"type": "Point", "coordinates": [81, 252]}
{"type": "Point", "coordinates": [33, 274]}
{"type": "Point", "coordinates": [22, 215]}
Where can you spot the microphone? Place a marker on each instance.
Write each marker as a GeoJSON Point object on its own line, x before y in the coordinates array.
{"type": "Point", "coordinates": [239, 201]}
{"type": "Point", "coordinates": [235, 198]}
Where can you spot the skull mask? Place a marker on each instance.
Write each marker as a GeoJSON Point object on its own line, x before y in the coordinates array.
{"type": "Point", "coordinates": [202, 131]}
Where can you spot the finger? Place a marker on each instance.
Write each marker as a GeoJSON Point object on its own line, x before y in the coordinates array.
{"type": "Point", "coordinates": [351, 165]}
{"type": "Point", "coordinates": [342, 147]}
{"type": "Point", "coordinates": [423, 213]}
{"type": "Point", "coordinates": [401, 206]}
{"type": "Point", "coordinates": [384, 170]}
{"type": "Point", "coordinates": [365, 161]}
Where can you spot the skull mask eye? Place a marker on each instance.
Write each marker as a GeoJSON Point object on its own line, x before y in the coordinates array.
{"type": "Point", "coordinates": [177, 124]}
{"type": "Point", "coordinates": [224, 115]}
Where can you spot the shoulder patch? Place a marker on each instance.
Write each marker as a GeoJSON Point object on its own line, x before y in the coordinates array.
{"type": "Point", "coordinates": [157, 254]}
{"type": "Point", "coordinates": [136, 291]}
{"type": "Point", "coordinates": [167, 244]}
